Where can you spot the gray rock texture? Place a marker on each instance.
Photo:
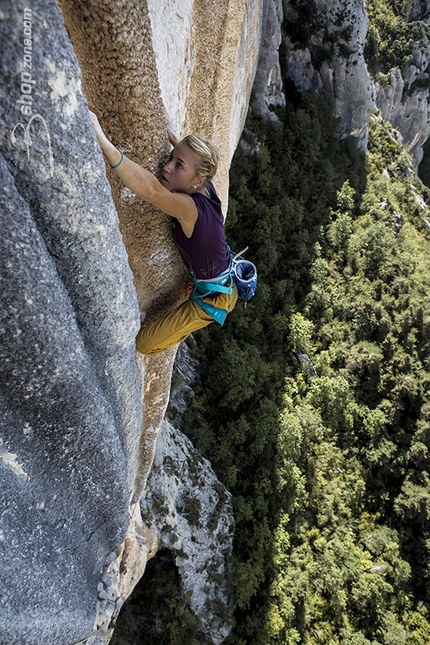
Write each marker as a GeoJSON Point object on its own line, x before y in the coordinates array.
{"type": "Point", "coordinates": [268, 87]}
{"type": "Point", "coordinates": [70, 388]}
{"type": "Point", "coordinates": [82, 258]}
{"type": "Point", "coordinates": [404, 101]}
{"type": "Point", "coordinates": [324, 44]}
{"type": "Point", "coordinates": [320, 47]}
{"type": "Point", "coordinates": [419, 10]}
{"type": "Point", "coordinates": [403, 96]}
{"type": "Point", "coordinates": [192, 514]}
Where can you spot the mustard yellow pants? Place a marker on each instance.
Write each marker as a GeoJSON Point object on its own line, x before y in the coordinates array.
{"type": "Point", "coordinates": [180, 323]}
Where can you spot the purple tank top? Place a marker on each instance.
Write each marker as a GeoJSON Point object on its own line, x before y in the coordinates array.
{"type": "Point", "coordinates": [205, 253]}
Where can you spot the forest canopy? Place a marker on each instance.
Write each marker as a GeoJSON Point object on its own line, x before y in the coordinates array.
{"type": "Point", "coordinates": [314, 401]}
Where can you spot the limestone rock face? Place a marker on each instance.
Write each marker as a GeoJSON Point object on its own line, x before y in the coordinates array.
{"type": "Point", "coordinates": [324, 45]}
{"type": "Point", "coordinates": [81, 259]}
{"type": "Point", "coordinates": [324, 52]}
{"type": "Point", "coordinates": [192, 514]}
{"type": "Point", "coordinates": [70, 388]}
{"type": "Point", "coordinates": [268, 89]}
{"type": "Point", "coordinates": [404, 99]}
{"type": "Point", "coordinates": [206, 54]}
{"type": "Point", "coordinates": [405, 102]}
{"type": "Point", "coordinates": [419, 11]}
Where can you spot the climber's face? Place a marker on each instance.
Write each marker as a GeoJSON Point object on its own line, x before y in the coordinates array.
{"type": "Point", "coordinates": [179, 173]}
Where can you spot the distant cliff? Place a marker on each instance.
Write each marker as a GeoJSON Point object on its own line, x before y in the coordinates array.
{"type": "Point", "coordinates": [321, 45]}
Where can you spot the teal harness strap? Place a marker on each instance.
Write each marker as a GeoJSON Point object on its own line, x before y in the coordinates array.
{"type": "Point", "coordinates": [219, 315]}
{"type": "Point", "coordinates": [205, 288]}
{"type": "Point", "coordinates": [208, 289]}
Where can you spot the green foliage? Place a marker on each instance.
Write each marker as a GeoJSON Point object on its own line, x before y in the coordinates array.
{"type": "Point", "coordinates": [235, 416]}
{"type": "Point", "coordinates": [327, 461]}
{"type": "Point", "coordinates": [307, 22]}
{"type": "Point", "coordinates": [191, 508]}
{"type": "Point", "coordinates": [391, 37]}
{"type": "Point", "coordinates": [301, 331]}
{"type": "Point", "coordinates": [157, 613]}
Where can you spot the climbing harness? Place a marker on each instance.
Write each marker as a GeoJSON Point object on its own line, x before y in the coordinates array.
{"type": "Point", "coordinates": [222, 283]}
{"type": "Point", "coordinates": [240, 273]}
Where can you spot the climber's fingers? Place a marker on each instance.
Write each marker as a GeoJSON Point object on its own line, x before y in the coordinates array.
{"type": "Point", "coordinates": [95, 123]}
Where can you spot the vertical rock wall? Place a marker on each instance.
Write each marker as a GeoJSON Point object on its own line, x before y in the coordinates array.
{"type": "Point", "coordinates": [268, 85]}
{"type": "Point", "coordinates": [191, 514]}
{"type": "Point", "coordinates": [70, 388]}
{"type": "Point", "coordinates": [206, 54]}
{"type": "Point", "coordinates": [404, 101]}
{"type": "Point", "coordinates": [324, 43]}
{"type": "Point", "coordinates": [114, 46]}
{"type": "Point", "coordinates": [81, 258]}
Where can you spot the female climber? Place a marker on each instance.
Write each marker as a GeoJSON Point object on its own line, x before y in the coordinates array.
{"type": "Point", "coordinates": [186, 193]}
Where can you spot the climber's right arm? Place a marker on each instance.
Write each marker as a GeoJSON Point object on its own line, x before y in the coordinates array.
{"type": "Point", "coordinates": [145, 185]}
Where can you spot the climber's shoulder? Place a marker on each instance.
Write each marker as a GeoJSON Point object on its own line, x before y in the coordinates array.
{"type": "Point", "coordinates": [176, 204]}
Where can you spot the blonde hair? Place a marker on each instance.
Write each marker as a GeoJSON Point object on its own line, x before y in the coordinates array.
{"type": "Point", "coordinates": [206, 152]}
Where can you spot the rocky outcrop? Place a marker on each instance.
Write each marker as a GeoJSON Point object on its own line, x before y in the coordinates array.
{"type": "Point", "coordinates": [268, 86]}
{"type": "Point", "coordinates": [320, 47]}
{"type": "Point", "coordinates": [402, 95]}
{"type": "Point", "coordinates": [324, 43]}
{"type": "Point", "coordinates": [193, 517]}
{"type": "Point", "coordinates": [419, 10]}
{"type": "Point", "coordinates": [404, 101]}
{"type": "Point", "coordinates": [81, 259]}
{"type": "Point", "coordinates": [186, 510]}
